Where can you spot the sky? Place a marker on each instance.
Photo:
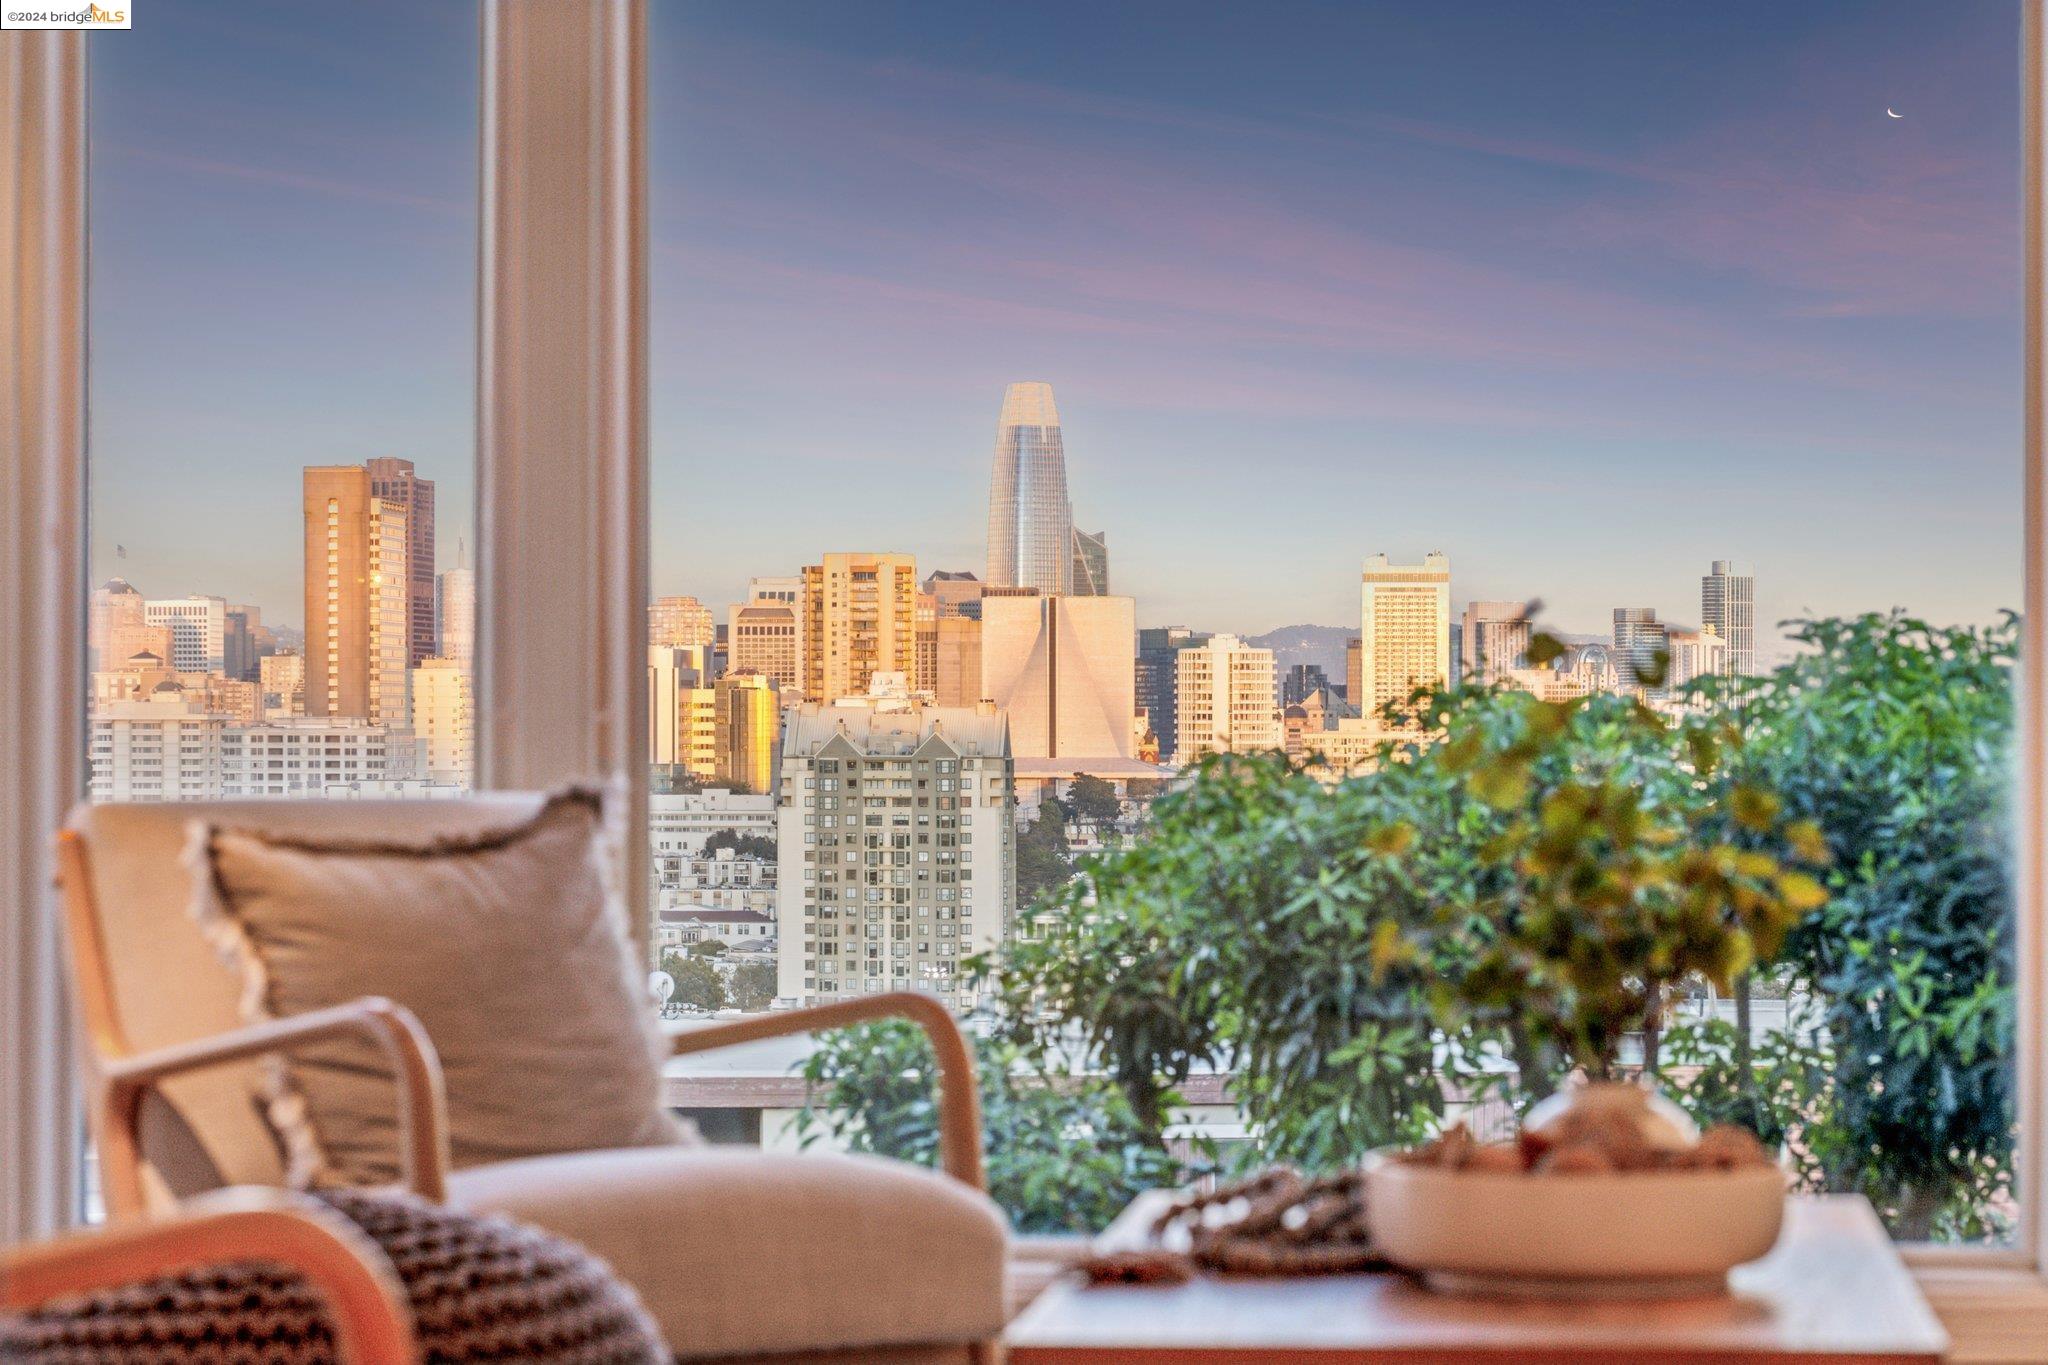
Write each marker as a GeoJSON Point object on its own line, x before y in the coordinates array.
{"type": "Point", "coordinates": [1584, 295]}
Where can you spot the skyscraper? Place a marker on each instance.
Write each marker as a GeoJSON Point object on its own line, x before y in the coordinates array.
{"type": "Point", "coordinates": [1091, 563]}
{"type": "Point", "coordinates": [744, 715]}
{"type": "Point", "coordinates": [1226, 699]}
{"type": "Point", "coordinates": [1061, 669]}
{"type": "Point", "coordinates": [198, 626]}
{"type": "Point", "coordinates": [1030, 520]}
{"type": "Point", "coordinates": [1404, 636]}
{"type": "Point", "coordinates": [1159, 650]}
{"type": "Point", "coordinates": [458, 616]}
{"type": "Point", "coordinates": [443, 719]}
{"type": "Point", "coordinates": [359, 625]}
{"type": "Point", "coordinates": [395, 482]}
{"type": "Point", "coordinates": [1495, 639]}
{"type": "Point", "coordinates": [1639, 637]}
{"type": "Point", "coordinates": [680, 621]}
{"type": "Point", "coordinates": [1728, 604]}
{"type": "Point", "coordinates": [859, 618]}
{"type": "Point", "coordinates": [762, 638]}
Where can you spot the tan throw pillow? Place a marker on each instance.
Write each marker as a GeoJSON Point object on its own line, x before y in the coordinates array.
{"type": "Point", "coordinates": [510, 947]}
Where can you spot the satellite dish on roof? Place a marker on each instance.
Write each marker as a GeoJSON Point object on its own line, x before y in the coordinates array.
{"type": "Point", "coordinates": [661, 986]}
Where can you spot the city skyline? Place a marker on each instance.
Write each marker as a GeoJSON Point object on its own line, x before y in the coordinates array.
{"type": "Point", "coordinates": [1588, 296]}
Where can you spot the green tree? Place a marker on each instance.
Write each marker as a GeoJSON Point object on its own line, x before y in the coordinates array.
{"type": "Point", "coordinates": [697, 981]}
{"type": "Point", "coordinates": [1895, 738]}
{"type": "Point", "coordinates": [742, 845]}
{"type": "Point", "coordinates": [1065, 1154]}
{"type": "Point", "coordinates": [1044, 859]}
{"type": "Point", "coordinates": [708, 947]}
{"type": "Point", "coordinates": [1092, 799]}
{"type": "Point", "coordinates": [753, 985]}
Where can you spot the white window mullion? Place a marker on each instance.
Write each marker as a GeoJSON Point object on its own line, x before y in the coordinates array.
{"type": "Point", "coordinates": [562, 400]}
{"type": "Point", "coordinates": [42, 609]}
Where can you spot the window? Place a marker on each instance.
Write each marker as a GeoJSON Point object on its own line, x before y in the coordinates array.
{"type": "Point", "coordinates": [282, 388]}
{"type": "Point", "coordinates": [1392, 322]}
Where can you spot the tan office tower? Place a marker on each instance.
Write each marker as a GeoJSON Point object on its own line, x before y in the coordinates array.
{"type": "Point", "coordinates": [745, 711]}
{"type": "Point", "coordinates": [925, 678]}
{"type": "Point", "coordinates": [958, 681]}
{"type": "Point", "coordinates": [680, 621]}
{"type": "Point", "coordinates": [1226, 699]}
{"type": "Point", "coordinates": [1064, 669]}
{"type": "Point", "coordinates": [956, 591]}
{"type": "Point", "coordinates": [762, 637]}
{"type": "Point", "coordinates": [358, 591]}
{"type": "Point", "coordinates": [859, 619]}
{"type": "Point", "coordinates": [1353, 665]}
{"type": "Point", "coordinates": [1404, 637]}
{"type": "Point", "coordinates": [395, 482]}
{"type": "Point", "coordinates": [1495, 639]}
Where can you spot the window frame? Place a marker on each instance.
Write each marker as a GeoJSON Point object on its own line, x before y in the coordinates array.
{"type": "Point", "coordinates": [584, 61]}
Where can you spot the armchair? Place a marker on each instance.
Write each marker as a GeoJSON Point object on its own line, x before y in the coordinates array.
{"type": "Point", "coordinates": [366, 1307]}
{"type": "Point", "coordinates": [739, 1254]}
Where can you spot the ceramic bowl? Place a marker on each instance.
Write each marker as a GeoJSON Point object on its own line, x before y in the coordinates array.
{"type": "Point", "coordinates": [1637, 1234]}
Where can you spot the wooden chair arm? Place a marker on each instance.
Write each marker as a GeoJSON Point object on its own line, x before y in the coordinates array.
{"type": "Point", "coordinates": [422, 1102]}
{"type": "Point", "coordinates": [368, 1308]}
{"type": "Point", "coordinates": [959, 1102]}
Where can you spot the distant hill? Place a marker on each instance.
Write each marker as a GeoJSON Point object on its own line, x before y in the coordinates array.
{"type": "Point", "coordinates": [1321, 645]}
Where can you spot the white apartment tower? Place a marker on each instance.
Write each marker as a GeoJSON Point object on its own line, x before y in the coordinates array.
{"type": "Point", "coordinates": [1728, 604]}
{"type": "Point", "coordinates": [198, 627]}
{"type": "Point", "coordinates": [895, 825]}
{"type": "Point", "coordinates": [1226, 699]}
{"type": "Point", "coordinates": [443, 717]}
{"type": "Point", "coordinates": [1495, 639]}
{"type": "Point", "coordinates": [1404, 635]}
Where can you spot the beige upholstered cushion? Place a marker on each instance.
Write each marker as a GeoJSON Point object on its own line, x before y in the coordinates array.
{"type": "Point", "coordinates": [507, 945]}
{"type": "Point", "coordinates": [743, 1252]}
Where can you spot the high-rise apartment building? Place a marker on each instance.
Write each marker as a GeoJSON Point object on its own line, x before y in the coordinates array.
{"type": "Point", "coordinates": [896, 825]}
{"type": "Point", "coordinates": [745, 710]}
{"type": "Point", "coordinates": [316, 757]}
{"type": "Point", "coordinates": [680, 621]}
{"type": "Point", "coordinates": [1354, 671]}
{"type": "Point", "coordinates": [1030, 520]}
{"type": "Point", "coordinates": [443, 719]}
{"type": "Point", "coordinates": [1225, 699]}
{"type": "Point", "coordinates": [859, 619]}
{"type": "Point", "coordinates": [1159, 650]}
{"type": "Point", "coordinates": [199, 628]}
{"type": "Point", "coordinates": [1404, 636]}
{"type": "Point", "coordinates": [359, 625]}
{"type": "Point", "coordinates": [396, 485]}
{"type": "Point", "coordinates": [161, 746]}
{"type": "Point", "coordinates": [283, 680]}
{"type": "Point", "coordinates": [1698, 653]}
{"type": "Point", "coordinates": [1091, 564]}
{"type": "Point", "coordinates": [924, 678]}
{"type": "Point", "coordinates": [1639, 637]}
{"type": "Point", "coordinates": [676, 734]}
{"type": "Point", "coordinates": [1728, 604]}
{"type": "Point", "coordinates": [457, 613]}
{"type": "Point", "coordinates": [1062, 669]}
{"type": "Point", "coordinates": [1494, 640]}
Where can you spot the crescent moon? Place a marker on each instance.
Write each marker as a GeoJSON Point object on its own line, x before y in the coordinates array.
{"type": "Point", "coordinates": [1888, 110]}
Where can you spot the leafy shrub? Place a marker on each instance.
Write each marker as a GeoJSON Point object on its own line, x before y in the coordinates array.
{"type": "Point", "coordinates": [1065, 1153]}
